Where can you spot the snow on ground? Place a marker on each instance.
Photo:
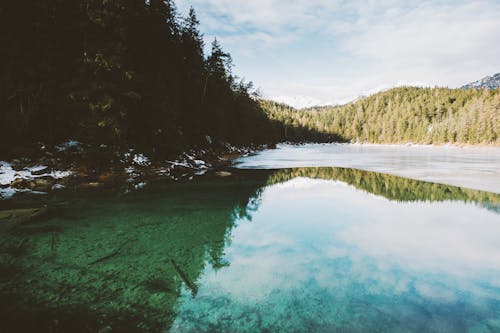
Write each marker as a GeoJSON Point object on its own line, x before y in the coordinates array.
{"type": "Point", "coordinates": [141, 160]}
{"type": "Point", "coordinates": [71, 144]}
{"type": "Point", "coordinates": [36, 168]}
{"type": "Point", "coordinates": [8, 174]}
{"type": "Point", "coordinates": [57, 174]}
{"type": "Point", "coordinates": [7, 193]}
{"type": "Point", "coordinates": [471, 167]}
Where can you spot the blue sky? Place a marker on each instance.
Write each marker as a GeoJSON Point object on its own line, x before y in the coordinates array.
{"type": "Point", "coordinates": [307, 52]}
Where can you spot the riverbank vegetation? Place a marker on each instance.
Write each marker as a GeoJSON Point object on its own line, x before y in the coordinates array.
{"type": "Point", "coordinates": [405, 114]}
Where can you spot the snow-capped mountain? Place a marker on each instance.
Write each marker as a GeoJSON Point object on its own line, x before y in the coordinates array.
{"type": "Point", "coordinates": [491, 82]}
{"type": "Point", "coordinates": [299, 101]}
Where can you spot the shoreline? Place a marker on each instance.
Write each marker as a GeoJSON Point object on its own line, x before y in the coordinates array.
{"type": "Point", "coordinates": [430, 145]}
{"type": "Point", "coordinates": [68, 168]}
{"type": "Point", "coordinates": [407, 144]}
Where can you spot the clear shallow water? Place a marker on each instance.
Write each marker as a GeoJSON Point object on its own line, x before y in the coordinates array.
{"type": "Point", "coordinates": [319, 255]}
{"type": "Point", "coordinates": [472, 167]}
{"type": "Point", "coordinates": [293, 250]}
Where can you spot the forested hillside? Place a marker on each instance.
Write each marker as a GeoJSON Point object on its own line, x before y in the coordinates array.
{"type": "Point", "coordinates": [131, 73]}
{"type": "Point", "coordinates": [406, 114]}
{"type": "Point", "coordinates": [118, 72]}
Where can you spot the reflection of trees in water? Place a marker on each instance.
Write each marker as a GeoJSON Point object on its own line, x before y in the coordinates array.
{"type": "Point", "coordinates": [103, 262]}
{"type": "Point", "coordinates": [121, 263]}
{"type": "Point", "coordinates": [392, 187]}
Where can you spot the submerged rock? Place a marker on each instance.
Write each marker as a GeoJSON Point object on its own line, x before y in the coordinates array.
{"type": "Point", "coordinates": [39, 170]}
{"type": "Point", "coordinates": [19, 183]}
{"type": "Point", "coordinates": [24, 215]}
{"type": "Point", "coordinates": [42, 184]}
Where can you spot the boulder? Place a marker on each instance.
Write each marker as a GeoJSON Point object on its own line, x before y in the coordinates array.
{"type": "Point", "coordinates": [19, 183]}
{"type": "Point", "coordinates": [40, 171]}
{"type": "Point", "coordinates": [41, 184]}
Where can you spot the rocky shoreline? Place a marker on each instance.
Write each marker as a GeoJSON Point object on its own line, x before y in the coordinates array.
{"type": "Point", "coordinates": [72, 166]}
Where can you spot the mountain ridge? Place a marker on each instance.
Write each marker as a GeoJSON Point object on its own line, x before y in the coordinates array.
{"type": "Point", "coordinates": [491, 82]}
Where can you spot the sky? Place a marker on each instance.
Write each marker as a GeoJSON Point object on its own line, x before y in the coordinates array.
{"type": "Point", "coordinates": [318, 52]}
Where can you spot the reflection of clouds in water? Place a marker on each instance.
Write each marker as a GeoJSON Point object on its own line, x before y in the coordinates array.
{"type": "Point", "coordinates": [381, 240]}
{"type": "Point", "coordinates": [439, 293]}
{"type": "Point", "coordinates": [447, 237]}
{"type": "Point", "coordinates": [379, 245]}
{"type": "Point", "coordinates": [300, 183]}
{"type": "Point", "coordinates": [416, 234]}
{"type": "Point", "coordinates": [328, 243]}
{"type": "Point", "coordinates": [260, 272]}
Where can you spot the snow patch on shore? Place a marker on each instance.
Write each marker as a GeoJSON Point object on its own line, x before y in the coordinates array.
{"type": "Point", "coordinates": [7, 174]}
{"type": "Point", "coordinates": [141, 160]}
{"type": "Point", "coordinates": [71, 144]}
{"type": "Point", "coordinates": [6, 193]}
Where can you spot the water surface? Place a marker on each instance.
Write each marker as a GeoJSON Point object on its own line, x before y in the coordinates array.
{"type": "Point", "coordinates": [291, 250]}
{"type": "Point", "coordinates": [472, 167]}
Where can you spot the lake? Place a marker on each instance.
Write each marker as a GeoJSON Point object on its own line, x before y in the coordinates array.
{"type": "Point", "coordinates": [473, 167]}
{"type": "Point", "coordinates": [304, 249]}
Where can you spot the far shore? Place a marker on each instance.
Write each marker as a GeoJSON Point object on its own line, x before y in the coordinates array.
{"type": "Point", "coordinates": [408, 144]}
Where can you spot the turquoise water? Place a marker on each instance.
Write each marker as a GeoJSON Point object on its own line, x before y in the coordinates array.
{"type": "Point", "coordinates": [293, 250]}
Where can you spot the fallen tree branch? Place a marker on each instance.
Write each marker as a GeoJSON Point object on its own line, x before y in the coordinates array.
{"type": "Point", "coordinates": [111, 255]}
{"type": "Point", "coordinates": [189, 283]}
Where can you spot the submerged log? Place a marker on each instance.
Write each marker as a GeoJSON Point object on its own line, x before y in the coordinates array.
{"type": "Point", "coordinates": [183, 276]}
{"type": "Point", "coordinates": [111, 255]}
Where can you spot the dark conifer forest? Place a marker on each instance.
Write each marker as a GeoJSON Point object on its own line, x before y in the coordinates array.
{"type": "Point", "coordinates": [123, 73]}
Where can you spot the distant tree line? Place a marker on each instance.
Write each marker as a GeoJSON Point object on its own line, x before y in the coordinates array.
{"type": "Point", "coordinates": [406, 114]}
{"type": "Point", "coordinates": [125, 73]}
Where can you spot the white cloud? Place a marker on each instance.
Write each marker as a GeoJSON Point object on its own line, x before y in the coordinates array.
{"type": "Point", "coordinates": [430, 35]}
{"type": "Point", "coordinates": [326, 51]}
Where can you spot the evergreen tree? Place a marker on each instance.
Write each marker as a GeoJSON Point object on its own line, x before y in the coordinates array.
{"type": "Point", "coordinates": [406, 114]}
{"type": "Point", "coordinates": [122, 72]}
